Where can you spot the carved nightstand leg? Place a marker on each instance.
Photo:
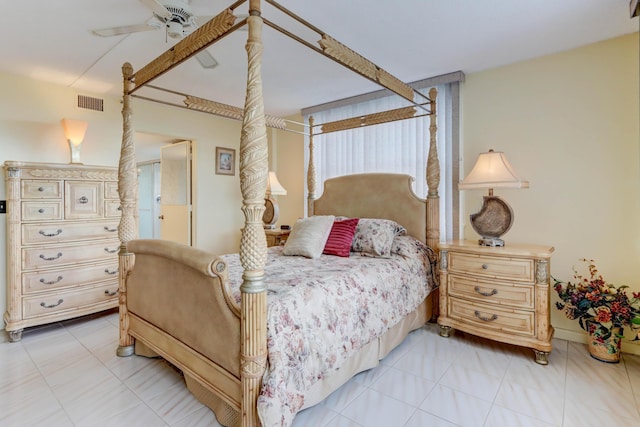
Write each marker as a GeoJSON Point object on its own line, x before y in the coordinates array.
{"type": "Point", "coordinates": [15, 336]}
{"type": "Point", "coordinates": [542, 357]}
{"type": "Point", "coordinates": [445, 331]}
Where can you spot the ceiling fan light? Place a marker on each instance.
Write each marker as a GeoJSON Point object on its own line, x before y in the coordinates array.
{"type": "Point", "coordinates": [174, 30]}
{"type": "Point", "coordinates": [206, 60]}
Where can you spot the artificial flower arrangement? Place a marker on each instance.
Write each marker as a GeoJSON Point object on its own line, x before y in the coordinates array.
{"type": "Point", "coordinates": [602, 309]}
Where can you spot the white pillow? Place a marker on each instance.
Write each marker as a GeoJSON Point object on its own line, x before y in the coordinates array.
{"type": "Point", "coordinates": [308, 236]}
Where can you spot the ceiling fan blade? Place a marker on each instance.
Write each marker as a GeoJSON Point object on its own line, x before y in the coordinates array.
{"type": "Point", "coordinates": [206, 59]}
{"type": "Point", "coordinates": [126, 29]}
{"type": "Point", "coordinates": [157, 8]}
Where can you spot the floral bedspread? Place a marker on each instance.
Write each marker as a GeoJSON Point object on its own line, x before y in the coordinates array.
{"type": "Point", "coordinates": [320, 311]}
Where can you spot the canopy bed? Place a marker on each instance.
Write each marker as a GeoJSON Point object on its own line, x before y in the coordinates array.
{"type": "Point", "coordinates": [231, 322]}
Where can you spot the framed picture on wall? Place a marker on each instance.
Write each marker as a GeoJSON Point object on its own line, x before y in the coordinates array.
{"type": "Point", "coordinates": [225, 161]}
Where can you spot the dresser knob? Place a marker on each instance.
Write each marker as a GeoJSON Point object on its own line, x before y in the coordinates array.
{"type": "Point", "coordinates": [83, 200]}
{"type": "Point", "coordinates": [40, 210]}
{"type": "Point", "coordinates": [41, 189]}
{"type": "Point", "coordinates": [485, 267]}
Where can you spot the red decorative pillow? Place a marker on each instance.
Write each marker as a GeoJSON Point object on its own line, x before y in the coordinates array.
{"type": "Point", "coordinates": [341, 237]}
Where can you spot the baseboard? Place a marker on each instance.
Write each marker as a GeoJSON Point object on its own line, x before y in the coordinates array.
{"type": "Point", "coordinates": [630, 347]}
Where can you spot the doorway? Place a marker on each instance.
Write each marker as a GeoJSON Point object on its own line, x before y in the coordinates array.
{"type": "Point", "coordinates": [164, 210]}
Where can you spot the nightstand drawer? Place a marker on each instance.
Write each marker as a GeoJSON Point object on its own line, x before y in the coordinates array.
{"type": "Point", "coordinates": [492, 266]}
{"type": "Point", "coordinates": [491, 317]}
{"type": "Point", "coordinates": [492, 292]}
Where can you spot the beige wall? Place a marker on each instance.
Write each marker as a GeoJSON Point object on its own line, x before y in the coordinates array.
{"type": "Point", "coordinates": [569, 124]}
{"type": "Point", "coordinates": [30, 130]}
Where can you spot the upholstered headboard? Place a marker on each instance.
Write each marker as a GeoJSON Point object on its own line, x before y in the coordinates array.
{"type": "Point", "coordinates": [375, 195]}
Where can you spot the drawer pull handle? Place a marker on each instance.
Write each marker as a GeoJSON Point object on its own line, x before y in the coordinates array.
{"type": "Point", "coordinates": [45, 234]}
{"type": "Point", "coordinates": [485, 319]}
{"type": "Point", "coordinates": [60, 301]}
{"type": "Point", "coordinates": [41, 189]}
{"type": "Point", "coordinates": [110, 230]}
{"type": "Point", "coordinates": [110, 294]}
{"type": "Point", "coordinates": [111, 251]}
{"type": "Point", "coordinates": [51, 282]}
{"type": "Point", "coordinates": [119, 208]}
{"type": "Point", "coordinates": [51, 258]}
{"type": "Point", "coordinates": [40, 210]}
{"type": "Point", "coordinates": [485, 294]}
{"type": "Point", "coordinates": [106, 270]}
{"type": "Point", "coordinates": [83, 200]}
{"type": "Point", "coordinates": [485, 266]}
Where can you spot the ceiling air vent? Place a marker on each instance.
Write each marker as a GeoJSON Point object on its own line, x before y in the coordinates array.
{"type": "Point", "coordinates": [90, 103]}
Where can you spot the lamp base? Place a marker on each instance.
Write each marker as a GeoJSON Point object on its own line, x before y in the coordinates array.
{"type": "Point", "coordinates": [492, 221]}
{"type": "Point", "coordinates": [490, 241]}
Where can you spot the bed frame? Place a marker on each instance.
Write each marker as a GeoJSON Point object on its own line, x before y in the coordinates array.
{"type": "Point", "coordinates": [227, 377]}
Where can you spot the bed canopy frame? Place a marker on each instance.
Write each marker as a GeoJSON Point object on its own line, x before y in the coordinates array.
{"type": "Point", "coordinates": [253, 168]}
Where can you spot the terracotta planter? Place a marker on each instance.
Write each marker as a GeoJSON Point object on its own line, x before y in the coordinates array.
{"type": "Point", "coordinates": [605, 350]}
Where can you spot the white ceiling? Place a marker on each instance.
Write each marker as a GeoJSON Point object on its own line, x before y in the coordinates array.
{"type": "Point", "coordinates": [51, 40]}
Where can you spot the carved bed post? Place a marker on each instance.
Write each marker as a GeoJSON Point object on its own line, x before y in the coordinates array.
{"type": "Point", "coordinates": [311, 172]}
{"type": "Point", "coordinates": [253, 244]}
{"type": "Point", "coordinates": [128, 228]}
{"type": "Point", "coordinates": [433, 178]}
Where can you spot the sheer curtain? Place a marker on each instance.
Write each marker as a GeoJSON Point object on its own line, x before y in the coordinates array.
{"type": "Point", "coordinates": [396, 147]}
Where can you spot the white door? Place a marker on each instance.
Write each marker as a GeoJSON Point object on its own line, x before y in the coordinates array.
{"type": "Point", "coordinates": [149, 200]}
{"type": "Point", "coordinates": [175, 192]}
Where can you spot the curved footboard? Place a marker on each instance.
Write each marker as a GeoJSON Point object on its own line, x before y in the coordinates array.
{"type": "Point", "coordinates": [180, 307]}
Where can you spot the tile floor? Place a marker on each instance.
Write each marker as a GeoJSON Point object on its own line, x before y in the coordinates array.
{"type": "Point", "coordinates": [67, 374]}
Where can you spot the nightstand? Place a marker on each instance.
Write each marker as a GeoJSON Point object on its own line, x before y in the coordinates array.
{"type": "Point", "coordinates": [499, 293]}
{"type": "Point", "coordinates": [276, 237]}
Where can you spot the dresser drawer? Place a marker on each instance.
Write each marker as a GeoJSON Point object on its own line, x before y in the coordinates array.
{"type": "Point", "coordinates": [40, 189]}
{"type": "Point", "coordinates": [509, 294]}
{"type": "Point", "coordinates": [68, 232]}
{"type": "Point", "coordinates": [47, 256]}
{"type": "Point", "coordinates": [112, 208]}
{"type": "Point", "coordinates": [111, 190]}
{"type": "Point", "coordinates": [492, 266]}
{"type": "Point", "coordinates": [41, 211]}
{"type": "Point", "coordinates": [45, 280]}
{"type": "Point", "coordinates": [83, 199]}
{"type": "Point", "coordinates": [492, 317]}
{"type": "Point", "coordinates": [40, 305]}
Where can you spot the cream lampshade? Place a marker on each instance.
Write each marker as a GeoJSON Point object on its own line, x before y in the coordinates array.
{"type": "Point", "coordinates": [274, 188]}
{"type": "Point", "coordinates": [492, 170]}
{"type": "Point", "coordinates": [74, 131]}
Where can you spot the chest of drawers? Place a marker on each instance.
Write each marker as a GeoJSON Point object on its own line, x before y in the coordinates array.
{"type": "Point", "coordinates": [500, 293]}
{"type": "Point", "coordinates": [62, 242]}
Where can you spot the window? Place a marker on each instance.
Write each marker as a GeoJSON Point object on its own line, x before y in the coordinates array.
{"type": "Point", "coordinates": [397, 147]}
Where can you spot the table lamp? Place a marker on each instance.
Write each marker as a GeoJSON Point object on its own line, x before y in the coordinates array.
{"type": "Point", "coordinates": [492, 170]}
{"type": "Point", "coordinates": [274, 188]}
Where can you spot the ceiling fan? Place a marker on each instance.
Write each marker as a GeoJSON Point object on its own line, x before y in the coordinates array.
{"type": "Point", "coordinates": [175, 16]}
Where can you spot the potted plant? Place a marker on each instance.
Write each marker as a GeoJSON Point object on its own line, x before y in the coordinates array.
{"type": "Point", "coordinates": [602, 309]}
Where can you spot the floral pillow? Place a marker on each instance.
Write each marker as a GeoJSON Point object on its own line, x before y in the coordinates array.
{"type": "Point", "coordinates": [374, 237]}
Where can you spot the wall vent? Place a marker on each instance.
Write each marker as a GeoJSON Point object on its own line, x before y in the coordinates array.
{"type": "Point", "coordinates": [90, 103]}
